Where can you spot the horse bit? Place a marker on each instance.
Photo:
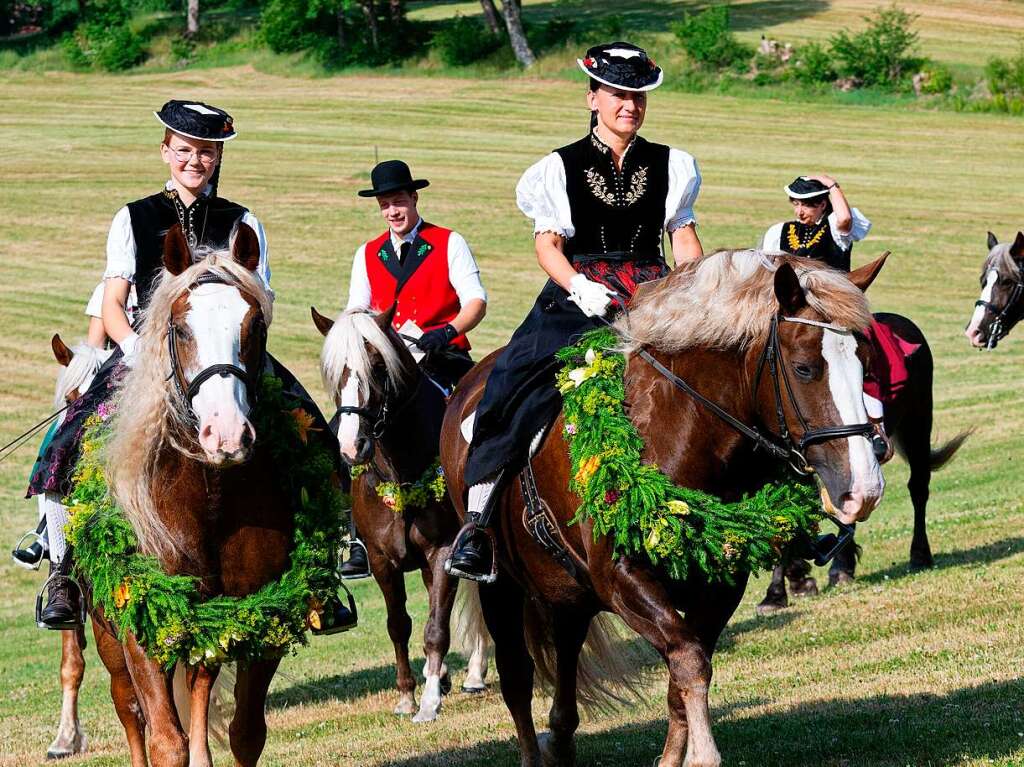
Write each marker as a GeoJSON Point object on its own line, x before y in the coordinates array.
{"type": "Point", "coordinates": [225, 370]}
{"type": "Point", "coordinates": [996, 332]}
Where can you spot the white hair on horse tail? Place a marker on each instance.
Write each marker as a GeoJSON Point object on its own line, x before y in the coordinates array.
{"type": "Point", "coordinates": [613, 666]}
{"type": "Point", "coordinates": [85, 361]}
{"type": "Point", "coordinates": [221, 709]}
{"type": "Point", "coordinates": [470, 626]}
{"type": "Point", "coordinates": [345, 348]}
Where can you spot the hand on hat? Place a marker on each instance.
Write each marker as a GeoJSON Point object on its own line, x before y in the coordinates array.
{"type": "Point", "coordinates": [591, 297]}
{"type": "Point", "coordinates": [437, 339]}
{"type": "Point", "coordinates": [823, 179]}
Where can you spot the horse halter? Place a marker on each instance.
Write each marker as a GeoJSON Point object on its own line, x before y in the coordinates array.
{"type": "Point", "coordinates": [999, 327]}
{"type": "Point", "coordinates": [250, 379]}
{"type": "Point", "coordinates": [378, 420]}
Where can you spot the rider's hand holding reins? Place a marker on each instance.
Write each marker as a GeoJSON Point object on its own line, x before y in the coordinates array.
{"type": "Point", "coordinates": [437, 339]}
{"type": "Point", "coordinates": [592, 298]}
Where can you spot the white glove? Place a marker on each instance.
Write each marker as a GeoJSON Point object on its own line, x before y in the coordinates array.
{"type": "Point", "coordinates": [129, 348]}
{"type": "Point", "coordinates": [592, 298]}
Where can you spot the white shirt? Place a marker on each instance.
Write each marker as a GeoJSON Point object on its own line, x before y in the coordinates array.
{"type": "Point", "coordinates": [541, 194]}
{"type": "Point", "coordinates": [95, 306]}
{"type": "Point", "coordinates": [463, 273]}
{"type": "Point", "coordinates": [772, 240]}
{"type": "Point", "coordinates": [121, 247]}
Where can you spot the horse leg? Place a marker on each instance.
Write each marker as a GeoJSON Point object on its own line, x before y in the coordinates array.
{"type": "Point", "coordinates": [476, 668]}
{"type": "Point", "coordinates": [844, 564]}
{"type": "Point", "coordinates": [122, 692]}
{"type": "Point", "coordinates": [392, 584]}
{"type": "Point", "coordinates": [775, 598]}
{"type": "Point", "coordinates": [247, 732]}
{"type": "Point", "coordinates": [168, 744]}
{"type": "Point", "coordinates": [801, 582]}
{"type": "Point", "coordinates": [558, 747]}
{"type": "Point", "coordinates": [917, 450]}
{"type": "Point", "coordinates": [70, 737]}
{"type": "Point", "coordinates": [502, 603]}
{"type": "Point", "coordinates": [200, 682]}
{"type": "Point", "coordinates": [436, 635]}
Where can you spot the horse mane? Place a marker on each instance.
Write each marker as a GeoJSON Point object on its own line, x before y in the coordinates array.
{"type": "Point", "coordinates": [150, 412]}
{"type": "Point", "coordinates": [999, 258]}
{"type": "Point", "coordinates": [726, 300]}
{"type": "Point", "coordinates": [346, 347]}
{"type": "Point", "coordinates": [85, 361]}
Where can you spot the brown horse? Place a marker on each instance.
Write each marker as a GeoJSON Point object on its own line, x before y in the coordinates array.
{"type": "Point", "coordinates": [1001, 304]}
{"type": "Point", "coordinates": [908, 422]}
{"type": "Point", "coordinates": [709, 323]}
{"type": "Point", "coordinates": [389, 422]}
{"type": "Point", "coordinates": [199, 488]}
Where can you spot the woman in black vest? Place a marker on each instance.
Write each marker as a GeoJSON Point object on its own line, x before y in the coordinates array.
{"type": "Point", "coordinates": [600, 207]}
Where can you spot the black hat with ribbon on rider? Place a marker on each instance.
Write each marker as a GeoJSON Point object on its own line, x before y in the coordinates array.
{"type": "Point", "coordinates": [622, 65]}
{"type": "Point", "coordinates": [392, 176]}
{"type": "Point", "coordinates": [197, 120]}
{"type": "Point", "coordinates": [803, 188]}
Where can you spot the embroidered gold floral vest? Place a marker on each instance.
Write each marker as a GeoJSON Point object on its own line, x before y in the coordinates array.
{"type": "Point", "coordinates": [616, 213]}
{"type": "Point", "coordinates": [814, 241]}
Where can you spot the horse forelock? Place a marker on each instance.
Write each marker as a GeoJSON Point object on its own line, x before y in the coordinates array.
{"type": "Point", "coordinates": [999, 258]}
{"type": "Point", "coordinates": [151, 413]}
{"type": "Point", "coordinates": [726, 300]}
{"type": "Point", "coordinates": [347, 348]}
{"type": "Point", "coordinates": [86, 360]}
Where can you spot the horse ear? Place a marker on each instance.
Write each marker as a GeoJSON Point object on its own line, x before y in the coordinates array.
{"type": "Point", "coordinates": [864, 276]}
{"type": "Point", "coordinates": [1017, 249]}
{"type": "Point", "coordinates": [60, 350]}
{"type": "Point", "coordinates": [384, 319]}
{"type": "Point", "coordinates": [177, 253]}
{"type": "Point", "coordinates": [323, 324]}
{"type": "Point", "coordinates": [788, 290]}
{"type": "Point", "coordinates": [992, 241]}
{"type": "Point", "coordinates": [245, 247]}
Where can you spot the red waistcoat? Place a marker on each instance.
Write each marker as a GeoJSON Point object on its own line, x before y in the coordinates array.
{"type": "Point", "coordinates": [424, 291]}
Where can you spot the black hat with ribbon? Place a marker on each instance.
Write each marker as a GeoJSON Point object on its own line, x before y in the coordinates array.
{"type": "Point", "coordinates": [622, 65]}
{"type": "Point", "coordinates": [803, 188]}
{"type": "Point", "coordinates": [197, 120]}
{"type": "Point", "coordinates": [392, 176]}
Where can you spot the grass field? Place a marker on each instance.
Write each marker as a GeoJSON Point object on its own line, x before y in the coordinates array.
{"type": "Point", "coordinates": [898, 669]}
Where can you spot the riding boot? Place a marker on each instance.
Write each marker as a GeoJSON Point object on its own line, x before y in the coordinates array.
{"type": "Point", "coordinates": [63, 600]}
{"type": "Point", "coordinates": [31, 556]}
{"type": "Point", "coordinates": [473, 555]}
{"type": "Point", "coordinates": [356, 566]}
{"type": "Point", "coordinates": [333, 616]}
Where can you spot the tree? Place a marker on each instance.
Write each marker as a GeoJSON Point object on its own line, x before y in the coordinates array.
{"type": "Point", "coordinates": [370, 9]}
{"type": "Point", "coordinates": [192, 28]}
{"type": "Point", "coordinates": [514, 24]}
{"type": "Point", "coordinates": [491, 16]}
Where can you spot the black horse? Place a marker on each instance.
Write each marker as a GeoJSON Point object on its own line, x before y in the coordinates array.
{"type": "Point", "coordinates": [908, 422]}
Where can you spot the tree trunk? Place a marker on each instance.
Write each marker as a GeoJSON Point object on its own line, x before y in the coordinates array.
{"type": "Point", "coordinates": [370, 9]}
{"type": "Point", "coordinates": [397, 8]}
{"type": "Point", "coordinates": [341, 27]}
{"type": "Point", "coordinates": [515, 33]}
{"type": "Point", "coordinates": [491, 16]}
{"type": "Point", "coordinates": [192, 25]}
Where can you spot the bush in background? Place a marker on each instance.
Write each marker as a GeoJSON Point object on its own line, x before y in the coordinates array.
{"type": "Point", "coordinates": [882, 54]}
{"type": "Point", "coordinates": [814, 64]}
{"type": "Point", "coordinates": [708, 41]}
{"type": "Point", "coordinates": [464, 40]}
{"type": "Point", "coordinates": [104, 38]}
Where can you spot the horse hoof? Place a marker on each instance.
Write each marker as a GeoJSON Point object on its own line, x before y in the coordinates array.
{"type": "Point", "coordinates": [406, 707]}
{"type": "Point", "coordinates": [840, 578]}
{"type": "Point", "coordinates": [921, 562]}
{"type": "Point", "coordinates": [474, 690]}
{"type": "Point", "coordinates": [770, 608]}
{"type": "Point", "coordinates": [808, 587]}
{"type": "Point", "coordinates": [425, 716]}
{"type": "Point", "coordinates": [78, 746]}
{"type": "Point", "coordinates": [552, 755]}
{"type": "Point", "coordinates": [446, 684]}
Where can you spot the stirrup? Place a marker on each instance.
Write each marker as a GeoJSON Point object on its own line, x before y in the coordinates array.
{"type": "Point", "coordinates": [34, 537]}
{"type": "Point", "coordinates": [467, 530]}
{"type": "Point", "coordinates": [82, 614]}
{"type": "Point", "coordinates": [337, 629]}
{"type": "Point", "coordinates": [352, 543]}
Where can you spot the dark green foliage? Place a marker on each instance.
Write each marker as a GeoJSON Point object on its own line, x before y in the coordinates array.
{"type": "Point", "coordinates": [708, 40]}
{"type": "Point", "coordinates": [464, 40]}
{"type": "Point", "coordinates": [814, 64]}
{"type": "Point", "coordinates": [882, 54]}
{"type": "Point", "coordinates": [1006, 76]}
{"type": "Point", "coordinates": [286, 26]}
{"type": "Point", "coordinates": [556, 31]}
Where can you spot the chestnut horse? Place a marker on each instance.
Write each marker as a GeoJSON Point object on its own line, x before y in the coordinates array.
{"type": "Point", "coordinates": [389, 423]}
{"type": "Point", "coordinates": [708, 323]}
{"type": "Point", "coordinates": [199, 487]}
{"type": "Point", "coordinates": [908, 422]}
{"type": "Point", "coordinates": [1001, 304]}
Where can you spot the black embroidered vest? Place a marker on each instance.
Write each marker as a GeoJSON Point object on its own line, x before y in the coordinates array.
{"type": "Point", "coordinates": [621, 214]}
{"type": "Point", "coordinates": [814, 241]}
{"type": "Point", "coordinates": [209, 219]}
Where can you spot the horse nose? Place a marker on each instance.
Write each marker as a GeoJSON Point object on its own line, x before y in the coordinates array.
{"type": "Point", "coordinates": [856, 506]}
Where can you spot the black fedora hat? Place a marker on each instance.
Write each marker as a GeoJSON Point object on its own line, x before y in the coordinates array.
{"type": "Point", "coordinates": [392, 176]}
{"type": "Point", "coordinates": [622, 65]}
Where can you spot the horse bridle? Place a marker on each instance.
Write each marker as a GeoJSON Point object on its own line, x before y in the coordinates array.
{"type": "Point", "coordinates": [782, 445]}
{"type": "Point", "coordinates": [189, 390]}
{"type": "Point", "coordinates": [378, 420]}
{"type": "Point", "coordinates": [996, 331]}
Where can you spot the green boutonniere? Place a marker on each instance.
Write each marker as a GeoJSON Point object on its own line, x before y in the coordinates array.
{"type": "Point", "coordinates": [423, 249]}
{"type": "Point", "coordinates": [382, 254]}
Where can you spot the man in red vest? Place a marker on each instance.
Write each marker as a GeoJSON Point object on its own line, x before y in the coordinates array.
{"type": "Point", "coordinates": [429, 274]}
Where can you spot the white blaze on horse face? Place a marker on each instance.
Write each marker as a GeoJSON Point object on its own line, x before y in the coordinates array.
{"type": "Point", "coordinates": [972, 332]}
{"type": "Point", "coordinates": [348, 424]}
{"type": "Point", "coordinates": [846, 382]}
{"type": "Point", "coordinates": [215, 316]}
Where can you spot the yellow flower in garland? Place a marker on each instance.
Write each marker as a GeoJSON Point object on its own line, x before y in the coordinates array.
{"type": "Point", "coordinates": [587, 469]}
{"type": "Point", "coordinates": [122, 594]}
{"type": "Point", "coordinates": [303, 424]}
{"type": "Point", "coordinates": [679, 508]}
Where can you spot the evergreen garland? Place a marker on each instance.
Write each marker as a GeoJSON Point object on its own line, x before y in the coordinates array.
{"type": "Point", "coordinates": [165, 612]}
{"type": "Point", "coordinates": [398, 497]}
{"type": "Point", "coordinates": [646, 514]}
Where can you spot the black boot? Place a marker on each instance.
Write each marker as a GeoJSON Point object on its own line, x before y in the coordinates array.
{"type": "Point", "coordinates": [31, 556]}
{"type": "Point", "coordinates": [356, 566]}
{"type": "Point", "coordinates": [334, 616]}
{"type": "Point", "coordinates": [63, 599]}
{"type": "Point", "coordinates": [472, 555]}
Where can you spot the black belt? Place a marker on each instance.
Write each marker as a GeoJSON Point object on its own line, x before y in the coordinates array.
{"type": "Point", "coordinates": [614, 255]}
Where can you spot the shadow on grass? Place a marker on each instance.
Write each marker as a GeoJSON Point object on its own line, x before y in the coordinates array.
{"type": "Point", "coordinates": [969, 723]}
{"type": "Point", "coordinates": [354, 685]}
{"type": "Point", "coordinates": [981, 554]}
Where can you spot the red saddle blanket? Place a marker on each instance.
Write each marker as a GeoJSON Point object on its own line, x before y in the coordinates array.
{"type": "Point", "coordinates": [887, 374]}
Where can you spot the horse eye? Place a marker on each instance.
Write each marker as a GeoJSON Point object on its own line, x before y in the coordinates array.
{"type": "Point", "coordinates": [806, 372]}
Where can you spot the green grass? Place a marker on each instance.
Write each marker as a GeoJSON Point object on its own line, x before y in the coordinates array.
{"type": "Point", "coordinates": [899, 669]}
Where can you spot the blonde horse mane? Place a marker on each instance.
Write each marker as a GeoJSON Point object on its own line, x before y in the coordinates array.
{"type": "Point", "coordinates": [150, 412]}
{"type": "Point", "coordinates": [999, 258]}
{"type": "Point", "coordinates": [86, 360]}
{"type": "Point", "coordinates": [726, 301]}
{"type": "Point", "coordinates": [346, 347]}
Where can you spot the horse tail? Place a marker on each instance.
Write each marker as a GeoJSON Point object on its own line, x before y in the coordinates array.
{"type": "Point", "coordinates": [470, 627]}
{"type": "Point", "coordinates": [222, 702]}
{"type": "Point", "coordinates": [611, 670]}
{"type": "Point", "coordinates": [940, 456]}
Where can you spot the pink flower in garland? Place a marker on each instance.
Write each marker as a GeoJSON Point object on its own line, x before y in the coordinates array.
{"type": "Point", "coordinates": [104, 411]}
{"type": "Point", "coordinates": [570, 429]}
{"type": "Point", "coordinates": [611, 496]}
{"type": "Point", "coordinates": [389, 501]}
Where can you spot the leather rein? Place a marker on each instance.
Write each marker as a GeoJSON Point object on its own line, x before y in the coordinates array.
{"type": "Point", "coordinates": [189, 390]}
